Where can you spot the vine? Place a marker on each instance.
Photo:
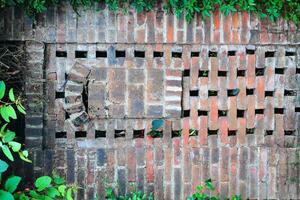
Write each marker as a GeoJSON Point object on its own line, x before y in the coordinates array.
{"type": "Point", "coordinates": [273, 9]}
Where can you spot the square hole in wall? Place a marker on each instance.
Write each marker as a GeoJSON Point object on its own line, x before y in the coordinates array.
{"type": "Point", "coordinates": [231, 53]}
{"type": "Point", "coordinates": [59, 95]}
{"type": "Point", "coordinates": [250, 130]}
{"type": "Point", "coordinates": [139, 54]}
{"type": "Point", "coordinates": [289, 132]}
{"type": "Point", "coordinates": [290, 53]}
{"type": "Point", "coordinates": [279, 111]}
{"type": "Point", "coordinates": [279, 70]}
{"type": "Point", "coordinates": [100, 134]}
{"type": "Point", "coordinates": [176, 54]}
{"type": "Point", "coordinates": [259, 71]}
{"type": "Point", "coordinates": [61, 54]}
{"type": "Point", "coordinates": [194, 93]}
{"type": "Point", "coordinates": [240, 113]}
{"type": "Point", "coordinates": [202, 112]}
{"type": "Point", "coordinates": [222, 113]}
{"type": "Point", "coordinates": [212, 54]}
{"type": "Point", "coordinates": [139, 133]}
{"type": "Point", "coordinates": [232, 132]}
{"type": "Point", "coordinates": [250, 51]}
{"type": "Point", "coordinates": [249, 91]}
{"type": "Point", "coordinates": [119, 133]}
{"type": "Point", "coordinates": [195, 54]}
{"type": "Point", "coordinates": [193, 132]}
{"type": "Point", "coordinates": [269, 93]}
{"type": "Point", "coordinates": [80, 54]}
{"type": "Point", "coordinates": [101, 54]}
{"type": "Point", "coordinates": [290, 93]}
{"type": "Point", "coordinates": [61, 134]}
{"type": "Point", "coordinates": [120, 54]}
{"type": "Point", "coordinates": [259, 111]}
{"type": "Point", "coordinates": [80, 134]}
{"type": "Point", "coordinates": [158, 54]}
{"type": "Point", "coordinates": [268, 132]}
{"type": "Point", "coordinates": [186, 72]}
{"type": "Point", "coordinates": [185, 113]}
{"type": "Point", "coordinates": [176, 133]}
{"type": "Point", "coordinates": [241, 73]}
{"type": "Point", "coordinates": [222, 73]}
{"type": "Point", "coordinates": [203, 73]}
{"type": "Point", "coordinates": [212, 93]}
{"type": "Point", "coordinates": [269, 54]}
{"type": "Point", "coordinates": [212, 132]}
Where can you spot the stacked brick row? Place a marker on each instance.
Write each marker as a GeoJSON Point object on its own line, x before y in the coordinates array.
{"type": "Point", "coordinates": [62, 25]}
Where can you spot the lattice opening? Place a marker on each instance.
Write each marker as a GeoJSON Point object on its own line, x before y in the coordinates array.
{"type": "Point", "coordinates": [212, 93]}
{"type": "Point", "coordinates": [139, 133]}
{"type": "Point", "coordinates": [61, 134]}
{"type": "Point", "coordinates": [59, 95]}
{"type": "Point", "coordinates": [202, 113]}
{"type": "Point", "coordinates": [80, 134]}
{"type": "Point", "coordinates": [195, 54]}
{"type": "Point", "coordinates": [120, 133]}
{"type": "Point", "coordinates": [232, 132]}
{"type": "Point", "coordinates": [212, 132]}
{"type": "Point", "coordinates": [222, 73]}
{"type": "Point", "coordinates": [290, 53]}
{"type": "Point", "coordinates": [194, 93]}
{"type": "Point", "coordinates": [186, 72]}
{"type": "Point", "coordinates": [240, 113]}
{"type": "Point", "coordinates": [259, 71]}
{"type": "Point", "coordinates": [269, 132]}
{"type": "Point", "coordinates": [101, 54]}
{"type": "Point", "coordinates": [279, 70]}
{"type": "Point", "coordinates": [212, 54]}
{"type": "Point", "coordinates": [249, 91]}
{"type": "Point", "coordinates": [186, 113]}
{"type": "Point", "coordinates": [80, 54]}
{"type": "Point", "coordinates": [290, 132]}
{"type": "Point", "coordinates": [231, 53]}
{"type": "Point", "coordinates": [259, 111]}
{"type": "Point", "coordinates": [269, 93]}
{"type": "Point", "coordinates": [241, 73]}
{"type": "Point", "coordinates": [250, 51]}
{"type": "Point", "coordinates": [139, 54]}
{"type": "Point", "coordinates": [290, 93]}
{"type": "Point", "coordinates": [62, 54]}
{"type": "Point", "coordinates": [158, 54]}
{"type": "Point", "coordinates": [203, 73]}
{"type": "Point", "coordinates": [279, 111]}
{"type": "Point", "coordinates": [176, 55]}
{"type": "Point", "coordinates": [222, 113]}
{"type": "Point", "coordinates": [120, 54]}
{"type": "Point", "coordinates": [250, 131]}
{"type": "Point", "coordinates": [269, 54]}
{"type": "Point", "coordinates": [100, 134]}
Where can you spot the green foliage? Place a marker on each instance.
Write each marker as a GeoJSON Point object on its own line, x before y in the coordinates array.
{"type": "Point", "coordinates": [134, 195]}
{"type": "Point", "coordinates": [289, 9]}
{"type": "Point", "coordinates": [156, 129]}
{"type": "Point", "coordinates": [45, 188]}
{"type": "Point", "coordinates": [208, 192]}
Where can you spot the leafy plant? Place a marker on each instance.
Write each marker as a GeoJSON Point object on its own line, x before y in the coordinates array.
{"type": "Point", "coordinates": [46, 188]}
{"type": "Point", "coordinates": [134, 195]}
{"type": "Point", "coordinates": [274, 9]}
{"type": "Point", "coordinates": [156, 130]}
{"type": "Point", "coordinates": [208, 192]}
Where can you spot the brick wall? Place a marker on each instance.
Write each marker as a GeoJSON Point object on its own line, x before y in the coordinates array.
{"type": "Point", "coordinates": [97, 81]}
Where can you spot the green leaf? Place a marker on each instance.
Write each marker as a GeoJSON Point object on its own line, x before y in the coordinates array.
{"type": "Point", "coordinates": [3, 166]}
{"type": "Point", "coordinates": [209, 185]}
{"type": "Point", "coordinates": [12, 183]}
{"type": "Point", "coordinates": [11, 112]}
{"type": "Point", "coordinates": [58, 180]}
{"type": "Point", "coordinates": [69, 194]}
{"type": "Point", "coordinates": [8, 112]}
{"type": "Point", "coordinates": [24, 158]}
{"type": "Point", "coordinates": [16, 146]}
{"type": "Point", "coordinates": [6, 195]}
{"type": "Point", "coordinates": [62, 190]}
{"type": "Point", "coordinates": [11, 94]}
{"type": "Point", "coordinates": [42, 183]}
{"type": "Point", "coordinates": [157, 123]}
{"type": "Point", "coordinates": [52, 192]}
{"type": "Point", "coordinates": [21, 110]}
{"type": "Point", "coordinates": [7, 152]}
{"type": "Point", "coordinates": [25, 153]}
{"type": "Point", "coordinates": [9, 136]}
{"type": "Point", "coordinates": [2, 89]}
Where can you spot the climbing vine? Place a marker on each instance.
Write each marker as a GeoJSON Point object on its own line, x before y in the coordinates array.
{"type": "Point", "coordinates": [273, 9]}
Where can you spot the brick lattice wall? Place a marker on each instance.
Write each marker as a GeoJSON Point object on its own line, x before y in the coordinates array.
{"type": "Point", "coordinates": [97, 81]}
